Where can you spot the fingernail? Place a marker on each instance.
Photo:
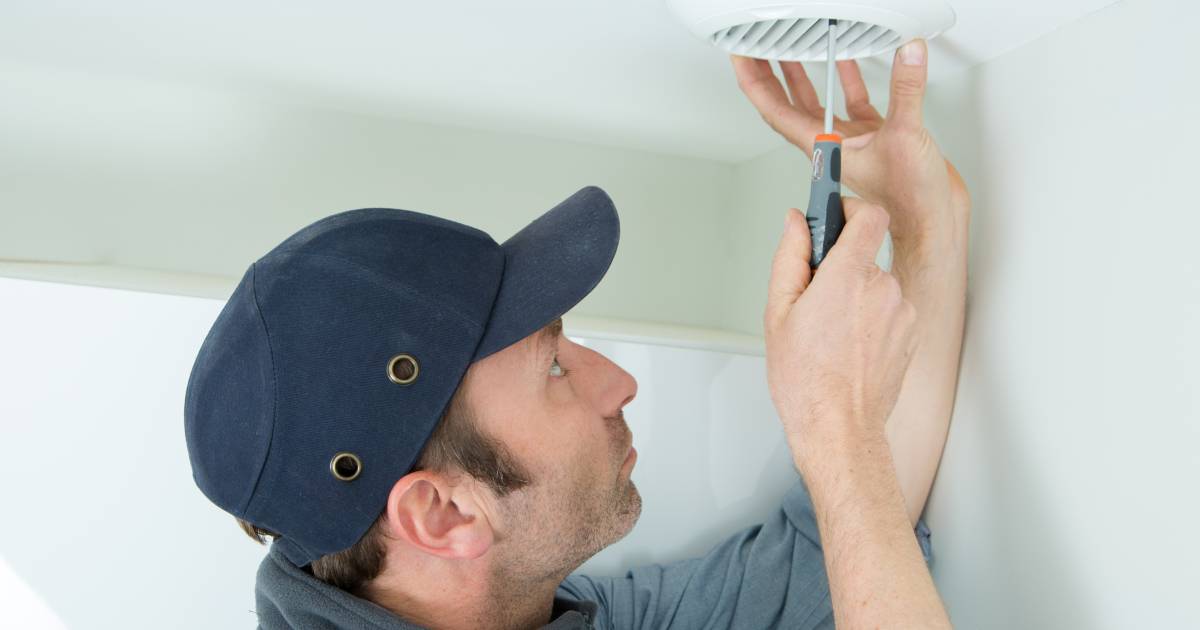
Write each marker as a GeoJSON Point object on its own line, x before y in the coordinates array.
{"type": "Point", "coordinates": [912, 54]}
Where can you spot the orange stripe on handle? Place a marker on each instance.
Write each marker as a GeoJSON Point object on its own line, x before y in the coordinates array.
{"type": "Point", "coordinates": [829, 137]}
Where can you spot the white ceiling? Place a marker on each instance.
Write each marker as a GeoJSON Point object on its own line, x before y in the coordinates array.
{"type": "Point", "coordinates": [613, 72]}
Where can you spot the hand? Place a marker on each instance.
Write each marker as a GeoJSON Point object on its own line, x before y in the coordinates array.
{"type": "Point", "coordinates": [837, 345]}
{"type": "Point", "coordinates": [891, 161]}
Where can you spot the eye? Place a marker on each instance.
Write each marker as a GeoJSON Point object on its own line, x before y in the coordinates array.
{"type": "Point", "coordinates": [554, 364]}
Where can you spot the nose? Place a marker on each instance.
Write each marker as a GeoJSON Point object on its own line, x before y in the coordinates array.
{"type": "Point", "coordinates": [632, 387]}
{"type": "Point", "coordinates": [615, 387]}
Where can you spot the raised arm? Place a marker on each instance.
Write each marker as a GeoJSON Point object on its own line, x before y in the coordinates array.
{"type": "Point", "coordinates": [861, 364]}
{"type": "Point", "coordinates": [894, 162]}
{"type": "Point", "coordinates": [838, 345]}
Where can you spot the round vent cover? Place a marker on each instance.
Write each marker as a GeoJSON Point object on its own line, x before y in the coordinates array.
{"type": "Point", "coordinates": [796, 31]}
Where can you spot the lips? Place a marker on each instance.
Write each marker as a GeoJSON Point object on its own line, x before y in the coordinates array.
{"type": "Point", "coordinates": [630, 459]}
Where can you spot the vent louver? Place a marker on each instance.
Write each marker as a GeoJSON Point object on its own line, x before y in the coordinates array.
{"type": "Point", "coordinates": [796, 30]}
{"type": "Point", "coordinates": [804, 39]}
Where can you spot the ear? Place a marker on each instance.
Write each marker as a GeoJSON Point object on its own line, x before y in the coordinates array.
{"type": "Point", "coordinates": [439, 518]}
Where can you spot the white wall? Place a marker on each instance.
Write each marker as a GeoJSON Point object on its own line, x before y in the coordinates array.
{"type": "Point", "coordinates": [130, 172]}
{"type": "Point", "coordinates": [104, 524]}
{"type": "Point", "coordinates": [1068, 495]}
{"type": "Point", "coordinates": [132, 182]}
{"type": "Point", "coordinates": [101, 517]}
{"type": "Point", "coordinates": [1068, 492]}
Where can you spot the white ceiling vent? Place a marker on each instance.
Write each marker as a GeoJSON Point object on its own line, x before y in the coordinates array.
{"type": "Point", "coordinates": [796, 31]}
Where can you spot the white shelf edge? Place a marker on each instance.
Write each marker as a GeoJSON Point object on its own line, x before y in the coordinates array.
{"type": "Point", "coordinates": [220, 287]}
{"type": "Point", "coordinates": [660, 334]}
{"type": "Point", "coordinates": [124, 278]}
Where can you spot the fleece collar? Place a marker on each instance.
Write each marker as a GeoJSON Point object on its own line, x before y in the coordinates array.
{"type": "Point", "coordinates": [290, 597]}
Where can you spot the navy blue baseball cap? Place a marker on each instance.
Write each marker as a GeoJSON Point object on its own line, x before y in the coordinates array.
{"type": "Point", "coordinates": [336, 355]}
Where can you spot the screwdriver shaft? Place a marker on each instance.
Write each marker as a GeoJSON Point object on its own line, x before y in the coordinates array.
{"type": "Point", "coordinates": [831, 71]}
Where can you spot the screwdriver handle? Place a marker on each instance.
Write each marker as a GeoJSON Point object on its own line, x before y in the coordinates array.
{"type": "Point", "coordinates": [825, 216]}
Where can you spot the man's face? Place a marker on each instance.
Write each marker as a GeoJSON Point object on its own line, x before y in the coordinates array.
{"type": "Point", "coordinates": [556, 406]}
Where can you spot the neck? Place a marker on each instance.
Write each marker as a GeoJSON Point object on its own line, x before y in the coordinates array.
{"type": "Point", "coordinates": [463, 595]}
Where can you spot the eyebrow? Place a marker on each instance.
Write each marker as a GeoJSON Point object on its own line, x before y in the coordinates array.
{"type": "Point", "coordinates": [547, 338]}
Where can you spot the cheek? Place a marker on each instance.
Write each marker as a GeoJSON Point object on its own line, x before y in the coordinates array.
{"type": "Point", "coordinates": [581, 447]}
{"type": "Point", "coordinates": [551, 446]}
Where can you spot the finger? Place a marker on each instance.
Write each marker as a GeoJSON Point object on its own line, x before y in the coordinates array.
{"type": "Point", "coordinates": [860, 240]}
{"type": "Point", "coordinates": [758, 82]}
{"type": "Point", "coordinates": [804, 96]}
{"type": "Point", "coordinates": [851, 206]}
{"type": "Point", "coordinates": [913, 338]}
{"type": "Point", "coordinates": [908, 84]}
{"type": "Point", "coordinates": [790, 271]}
{"type": "Point", "coordinates": [858, 101]}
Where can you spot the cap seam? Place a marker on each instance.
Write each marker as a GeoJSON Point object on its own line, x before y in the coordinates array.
{"type": "Point", "coordinates": [274, 386]}
{"type": "Point", "coordinates": [402, 285]}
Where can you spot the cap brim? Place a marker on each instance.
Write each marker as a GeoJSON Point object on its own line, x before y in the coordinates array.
{"type": "Point", "coordinates": [550, 265]}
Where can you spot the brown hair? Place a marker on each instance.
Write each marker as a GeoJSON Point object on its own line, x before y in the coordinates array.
{"type": "Point", "coordinates": [456, 445]}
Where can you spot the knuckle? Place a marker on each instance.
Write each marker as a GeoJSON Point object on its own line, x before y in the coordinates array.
{"type": "Point", "coordinates": [876, 216]}
{"type": "Point", "coordinates": [891, 288]}
{"type": "Point", "coordinates": [754, 83]}
{"type": "Point", "coordinates": [907, 86]}
{"type": "Point", "coordinates": [745, 83]}
{"type": "Point", "coordinates": [750, 85]}
{"type": "Point", "coordinates": [906, 136]}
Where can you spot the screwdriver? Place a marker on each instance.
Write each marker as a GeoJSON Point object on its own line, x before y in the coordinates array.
{"type": "Point", "coordinates": [825, 217]}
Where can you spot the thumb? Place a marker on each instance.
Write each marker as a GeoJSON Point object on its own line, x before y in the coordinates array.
{"type": "Point", "coordinates": [860, 240]}
{"type": "Point", "coordinates": [909, 71]}
{"type": "Point", "coordinates": [790, 271]}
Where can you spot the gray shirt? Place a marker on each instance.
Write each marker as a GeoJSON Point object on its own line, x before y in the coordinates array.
{"type": "Point", "coordinates": [767, 576]}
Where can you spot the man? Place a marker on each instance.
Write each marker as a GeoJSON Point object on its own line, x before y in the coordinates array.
{"type": "Point", "coordinates": [390, 397]}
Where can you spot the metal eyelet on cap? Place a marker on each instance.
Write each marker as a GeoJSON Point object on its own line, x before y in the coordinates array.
{"type": "Point", "coordinates": [345, 466]}
{"type": "Point", "coordinates": [399, 368]}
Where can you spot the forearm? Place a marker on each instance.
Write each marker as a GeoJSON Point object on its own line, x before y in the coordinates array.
{"type": "Point", "coordinates": [877, 576]}
{"type": "Point", "coordinates": [932, 269]}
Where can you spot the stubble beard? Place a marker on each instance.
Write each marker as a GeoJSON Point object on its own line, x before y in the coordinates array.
{"type": "Point", "coordinates": [587, 523]}
{"type": "Point", "coordinates": [554, 529]}
{"type": "Point", "coordinates": [575, 525]}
